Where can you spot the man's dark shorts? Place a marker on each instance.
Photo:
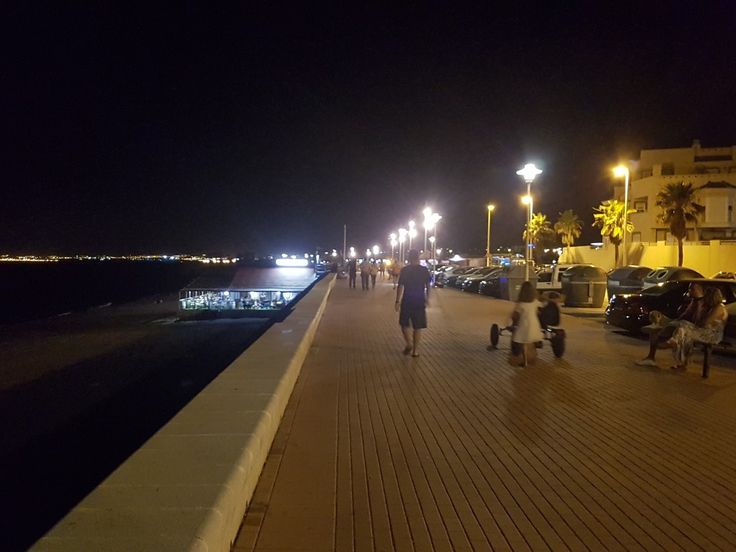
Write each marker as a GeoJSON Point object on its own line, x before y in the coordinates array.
{"type": "Point", "coordinates": [417, 316]}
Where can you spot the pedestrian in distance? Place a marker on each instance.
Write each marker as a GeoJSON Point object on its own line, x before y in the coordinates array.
{"type": "Point", "coordinates": [412, 298]}
{"type": "Point", "coordinates": [374, 273]}
{"type": "Point", "coordinates": [662, 327]}
{"type": "Point", "coordinates": [394, 270]}
{"type": "Point", "coordinates": [365, 274]}
{"type": "Point", "coordinates": [527, 329]}
{"type": "Point", "coordinates": [352, 272]}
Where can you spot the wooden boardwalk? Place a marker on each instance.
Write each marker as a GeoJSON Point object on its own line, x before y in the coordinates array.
{"type": "Point", "coordinates": [457, 450]}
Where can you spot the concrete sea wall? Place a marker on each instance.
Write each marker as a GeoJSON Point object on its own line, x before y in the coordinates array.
{"type": "Point", "coordinates": [188, 486]}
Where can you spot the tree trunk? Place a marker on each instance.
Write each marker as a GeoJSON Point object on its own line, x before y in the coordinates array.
{"type": "Point", "coordinates": [679, 252]}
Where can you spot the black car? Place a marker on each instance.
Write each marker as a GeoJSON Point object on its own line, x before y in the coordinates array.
{"type": "Point", "coordinates": [631, 311]}
{"type": "Point", "coordinates": [472, 282]}
{"type": "Point", "coordinates": [451, 280]}
{"type": "Point", "coordinates": [626, 279]}
{"type": "Point", "coordinates": [491, 284]}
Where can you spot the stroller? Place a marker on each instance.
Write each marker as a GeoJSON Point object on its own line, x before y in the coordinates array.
{"type": "Point", "coordinates": [549, 319]}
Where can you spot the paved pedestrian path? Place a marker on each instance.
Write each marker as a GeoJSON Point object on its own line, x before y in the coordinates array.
{"type": "Point", "coordinates": [457, 450]}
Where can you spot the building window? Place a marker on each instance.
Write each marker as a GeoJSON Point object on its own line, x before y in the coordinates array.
{"type": "Point", "coordinates": [668, 168]}
{"type": "Point", "coordinates": [644, 173]}
{"type": "Point", "coordinates": [661, 234]}
{"type": "Point", "coordinates": [636, 236]}
{"type": "Point", "coordinates": [640, 204]}
{"type": "Point", "coordinates": [703, 158]}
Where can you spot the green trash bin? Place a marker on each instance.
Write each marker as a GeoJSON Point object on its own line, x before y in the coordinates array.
{"type": "Point", "coordinates": [584, 286]}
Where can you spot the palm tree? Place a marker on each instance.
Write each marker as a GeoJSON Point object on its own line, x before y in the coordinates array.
{"type": "Point", "coordinates": [609, 217]}
{"type": "Point", "coordinates": [677, 201]}
{"type": "Point", "coordinates": [568, 226]}
{"type": "Point", "coordinates": [540, 232]}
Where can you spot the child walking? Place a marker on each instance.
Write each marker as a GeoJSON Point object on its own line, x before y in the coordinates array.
{"type": "Point", "coordinates": [527, 329]}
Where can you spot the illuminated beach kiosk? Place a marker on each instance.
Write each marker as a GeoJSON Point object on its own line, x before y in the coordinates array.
{"type": "Point", "coordinates": [242, 292]}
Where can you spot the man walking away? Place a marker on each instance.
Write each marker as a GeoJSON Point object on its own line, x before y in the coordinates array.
{"type": "Point", "coordinates": [352, 271]}
{"type": "Point", "coordinates": [412, 297]}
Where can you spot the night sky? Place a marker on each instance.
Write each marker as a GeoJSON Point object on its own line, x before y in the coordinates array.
{"type": "Point", "coordinates": [191, 128]}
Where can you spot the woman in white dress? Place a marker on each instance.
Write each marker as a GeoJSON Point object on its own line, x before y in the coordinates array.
{"type": "Point", "coordinates": [527, 329]}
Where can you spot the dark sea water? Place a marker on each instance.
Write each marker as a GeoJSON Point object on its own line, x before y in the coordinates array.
{"type": "Point", "coordinates": [37, 290]}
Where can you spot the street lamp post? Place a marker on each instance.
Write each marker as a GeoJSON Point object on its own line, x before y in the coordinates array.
{"type": "Point", "coordinates": [490, 208]}
{"type": "Point", "coordinates": [402, 239]}
{"type": "Point", "coordinates": [435, 224]}
{"type": "Point", "coordinates": [528, 173]}
{"type": "Point", "coordinates": [620, 171]}
{"type": "Point", "coordinates": [427, 212]}
{"type": "Point", "coordinates": [432, 239]}
{"type": "Point", "coordinates": [412, 232]}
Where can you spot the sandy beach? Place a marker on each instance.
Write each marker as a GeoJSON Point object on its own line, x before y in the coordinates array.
{"type": "Point", "coordinates": [80, 392]}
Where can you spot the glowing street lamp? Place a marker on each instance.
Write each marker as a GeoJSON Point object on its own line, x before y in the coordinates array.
{"type": "Point", "coordinates": [427, 212]}
{"type": "Point", "coordinates": [618, 172]}
{"type": "Point", "coordinates": [528, 173]}
{"type": "Point", "coordinates": [402, 239]}
{"type": "Point", "coordinates": [490, 207]}
{"type": "Point", "coordinates": [375, 250]}
{"type": "Point", "coordinates": [412, 232]}
{"type": "Point", "coordinates": [436, 217]}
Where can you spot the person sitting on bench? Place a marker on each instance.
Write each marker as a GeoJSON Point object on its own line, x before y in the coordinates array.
{"type": "Point", "coordinates": [710, 332]}
{"type": "Point", "coordinates": [663, 327]}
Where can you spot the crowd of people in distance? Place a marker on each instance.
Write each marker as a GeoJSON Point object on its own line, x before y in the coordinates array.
{"type": "Point", "coordinates": [369, 270]}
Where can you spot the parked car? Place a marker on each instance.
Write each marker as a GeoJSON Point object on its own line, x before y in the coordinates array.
{"type": "Point", "coordinates": [451, 281]}
{"type": "Point", "coordinates": [490, 284]}
{"type": "Point", "coordinates": [724, 275]}
{"type": "Point", "coordinates": [442, 277]}
{"type": "Point", "coordinates": [472, 282]}
{"type": "Point", "coordinates": [667, 274]}
{"type": "Point", "coordinates": [630, 311]}
{"type": "Point", "coordinates": [626, 279]}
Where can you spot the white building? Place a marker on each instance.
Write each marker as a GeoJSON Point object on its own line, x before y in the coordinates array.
{"type": "Point", "coordinates": [712, 171]}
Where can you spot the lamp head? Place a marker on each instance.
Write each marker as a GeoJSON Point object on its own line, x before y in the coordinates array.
{"type": "Point", "coordinates": [620, 171]}
{"type": "Point", "coordinates": [529, 172]}
{"type": "Point", "coordinates": [491, 207]}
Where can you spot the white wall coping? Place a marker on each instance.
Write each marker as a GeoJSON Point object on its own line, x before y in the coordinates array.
{"type": "Point", "coordinates": [188, 486]}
